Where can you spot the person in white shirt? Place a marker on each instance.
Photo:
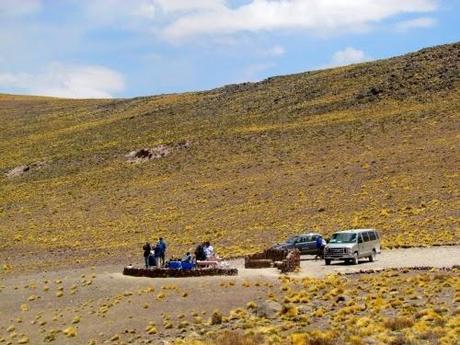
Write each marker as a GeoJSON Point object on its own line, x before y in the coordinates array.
{"type": "Point", "coordinates": [208, 250]}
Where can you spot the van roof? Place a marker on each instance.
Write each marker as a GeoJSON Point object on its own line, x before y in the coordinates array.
{"type": "Point", "coordinates": [357, 230]}
{"type": "Point", "coordinates": [308, 234]}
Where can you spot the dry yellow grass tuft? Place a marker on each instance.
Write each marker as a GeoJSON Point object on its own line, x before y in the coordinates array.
{"type": "Point", "coordinates": [356, 310]}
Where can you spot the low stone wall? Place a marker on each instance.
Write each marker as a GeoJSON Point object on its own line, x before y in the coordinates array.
{"type": "Point", "coordinates": [290, 263]}
{"type": "Point", "coordinates": [285, 261]}
{"type": "Point", "coordinates": [264, 259]}
{"type": "Point", "coordinates": [169, 273]}
{"type": "Point", "coordinates": [259, 263]}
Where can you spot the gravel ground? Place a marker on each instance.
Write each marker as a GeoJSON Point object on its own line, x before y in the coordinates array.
{"type": "Point", "coordinates": [101, 303]}
{"type": "Point", "coordinates": [395, 258]}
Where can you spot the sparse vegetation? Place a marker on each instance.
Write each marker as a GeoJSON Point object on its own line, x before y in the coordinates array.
{"type": "Point", "coordinates": [375, 310]}
{"type": "Point", "coordinates": [88, 181]}
{"type": "Point", "coordinates": [373, 144]}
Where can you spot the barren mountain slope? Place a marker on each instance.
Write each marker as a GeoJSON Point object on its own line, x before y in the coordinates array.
{"type": "Point", "coordinates": [368, 145]}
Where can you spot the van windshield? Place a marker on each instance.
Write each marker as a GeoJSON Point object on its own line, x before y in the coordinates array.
{"type": "Point", "coordinates": [343, 238]}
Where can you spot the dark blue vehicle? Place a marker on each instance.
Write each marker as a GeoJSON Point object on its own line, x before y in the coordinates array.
{"type": "Point", "coordinates": [305, 243]}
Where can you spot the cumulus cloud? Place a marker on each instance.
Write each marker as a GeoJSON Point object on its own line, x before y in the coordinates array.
{"type": "Point", "coordinates": [190, 5]}
{"type": "Point", "coordinates": [421, 22]}
{"type": "Point", "coordinates": [276, 50]}
{"type": "Point", "coordinates": [254, 72]}
{"type": "Point", "coordinates": [115, 12]}
{"type": "Point", "coordinates": [60, 80]}
{"type": "Point", "coordinates": [266, 15]}
{"type": "Point", "coordinates": [348, 56]}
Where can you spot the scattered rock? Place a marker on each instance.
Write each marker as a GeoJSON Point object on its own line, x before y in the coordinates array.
{"type": "Point", "coordinates": [22, 169]}
{"type": "Point", "coordinates": [157, 152]}
{"type": "Point", "coordinates": [18, 171]}
{"type": "Point", "coordinates": [184, 144]}
{"type": "Point", "coordinates": [268, 309]}
{"type": "Point", "coordinates": [341, 299]}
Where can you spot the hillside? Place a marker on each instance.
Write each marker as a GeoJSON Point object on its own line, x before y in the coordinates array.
{"type": "Point", "coordinates": [368, 145]}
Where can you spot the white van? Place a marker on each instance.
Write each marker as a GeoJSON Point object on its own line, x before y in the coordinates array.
{"type": "Point", "coordinates": [351, 245]}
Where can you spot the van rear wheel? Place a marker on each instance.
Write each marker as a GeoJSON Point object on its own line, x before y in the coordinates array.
{"type": "Point", "coordinates": [328, 261]}
{"type": "Point", "coordinates": [355, 259]}
{"type": "Point", "coordinates": [372, 256]}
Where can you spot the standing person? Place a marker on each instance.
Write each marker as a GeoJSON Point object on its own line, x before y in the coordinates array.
{"type": "Point", "coordinates": [318, 244]}
{"type": "Point", "coordinates": [323, 245]}
{"type": "Point", "coordinates": [147, 248]}
{"type": "Point", "coordinates": [160, 252]}
{"type": "Point", "coordinates": [199, 252]}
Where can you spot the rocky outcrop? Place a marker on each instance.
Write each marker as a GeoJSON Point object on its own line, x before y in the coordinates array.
{"type": "Point", "coordinates": [22, 169]}
{"type": "Point", "coordinates": [157, 152]}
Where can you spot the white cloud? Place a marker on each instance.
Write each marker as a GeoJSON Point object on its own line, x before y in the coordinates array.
{"type": "Point", "coordinates": [347, 56]}
{"type": "Point", "coordinates": [14, 8]}
{"type": "Point", "coordinates": [421, 22]}
{"type": "Point", "coordinates": [276, 50]}
{"type": "Point", "coordinates": [254, 72]}
{"type": "Point", "coordinates": [189, 5]}
{"type": "Point", "coordinates": [133, 13]}
{"type": "Point", "coordinates": [269, 15]}
{"type": "Point", "coordinates": [59, 80]}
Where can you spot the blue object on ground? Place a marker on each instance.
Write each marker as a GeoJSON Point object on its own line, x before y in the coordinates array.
{"type": "Point", "coordinates": [186, 265]}
{"type": "Point", "coordinates": [175, 265]}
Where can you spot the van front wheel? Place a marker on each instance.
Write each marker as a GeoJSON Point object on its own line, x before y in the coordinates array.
{"type": "Point", "coordinates": [328, 261]}
{"type": "Point", "coordinates": [372, 256]}
{"type": "Point", "coordinates": [355, 259]}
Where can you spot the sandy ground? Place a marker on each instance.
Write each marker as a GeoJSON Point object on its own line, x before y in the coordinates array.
{"type": "Point", "coordinates": [103, 305]}
{"type": "Point", "coordinates": [411, 257]}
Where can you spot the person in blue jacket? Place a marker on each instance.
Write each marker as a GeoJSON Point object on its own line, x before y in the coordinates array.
{"type": "Point", "coordinates": [160, 252]}
{"type": "Point", "coordinates": [319, 247]}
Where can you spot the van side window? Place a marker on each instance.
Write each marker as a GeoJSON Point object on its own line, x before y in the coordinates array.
{"type": "Point", "coordinates": [372, 235]}
{"type": "Point", "coordinates": [365, 236]}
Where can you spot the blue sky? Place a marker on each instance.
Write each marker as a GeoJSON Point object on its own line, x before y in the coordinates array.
{"type": "Point", "coordinates": [121, 48]}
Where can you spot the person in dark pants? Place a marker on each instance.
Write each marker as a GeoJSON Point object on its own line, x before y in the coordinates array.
{"type": "Point", "coordinates": [319, 247]}
{"type": "Point", "coordinates": [160, 252]}
{"type": "Point", "coordinates": [147, 248]}
{"type": "Point", "coordinates": [200, 255]}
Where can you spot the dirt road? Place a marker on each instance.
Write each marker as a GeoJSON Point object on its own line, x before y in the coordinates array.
{"type": "Point", "coordinates": [395, 258]}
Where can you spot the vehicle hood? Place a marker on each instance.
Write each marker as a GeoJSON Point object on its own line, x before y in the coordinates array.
{"type": "Point", "coordinates": [340, 245]}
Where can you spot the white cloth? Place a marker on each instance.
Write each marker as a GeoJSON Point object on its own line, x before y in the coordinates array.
{"type": "Point", "coordinates": [209, 251]}
{"type": "Point", "coordinates": [323, 242]}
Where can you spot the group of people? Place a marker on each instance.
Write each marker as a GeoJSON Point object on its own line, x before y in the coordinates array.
{"type": "Point", "coordinates": [155, 255]}
{"type": "Point", "coordinates": [205, 252]}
